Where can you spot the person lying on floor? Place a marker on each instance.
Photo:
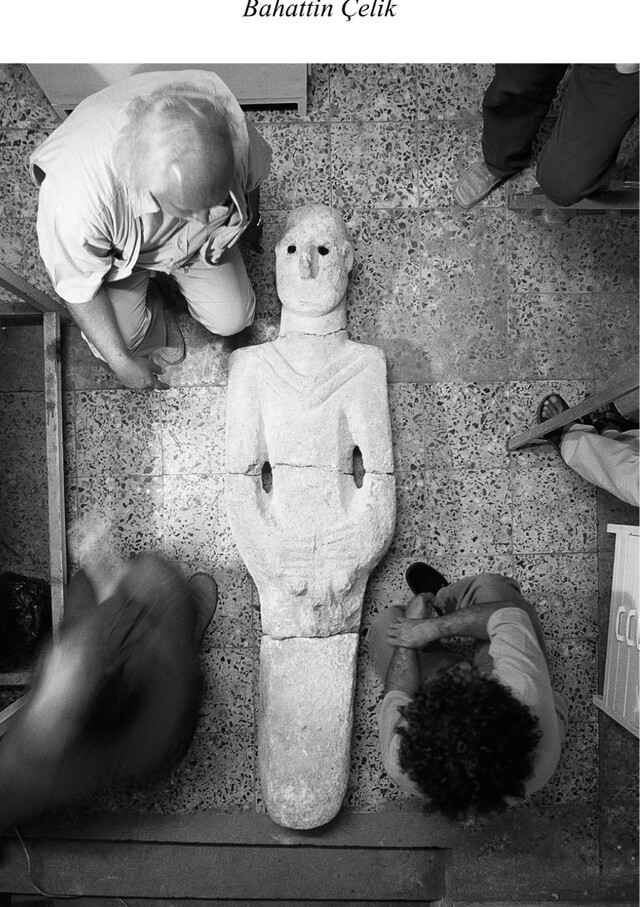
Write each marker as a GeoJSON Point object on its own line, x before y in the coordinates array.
{"type": "Point", "coordinates": [470, 737]}
{"type": "Point", "coordinates": [603, 448]}
{"type": "Point", "coordinates": [116, 697]}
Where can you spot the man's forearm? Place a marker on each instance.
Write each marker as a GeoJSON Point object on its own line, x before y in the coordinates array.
{"type": "Point", "coordinates": [403, 672]}
{"type": "Point", "coordinates": [471, 622]}
{"type": "Point", "coordinates": [97, 322]}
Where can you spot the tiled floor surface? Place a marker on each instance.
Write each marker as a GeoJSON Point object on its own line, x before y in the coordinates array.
{"type": "Point", "coordinates": [479, 314]}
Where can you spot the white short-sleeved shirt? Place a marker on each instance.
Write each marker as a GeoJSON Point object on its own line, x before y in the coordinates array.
{"type": "Point", "coordinates": [92, 228]}
{"type": "Point", "coordinates": [514, 657]}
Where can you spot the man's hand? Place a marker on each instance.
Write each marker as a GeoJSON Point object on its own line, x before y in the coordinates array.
{"type": "Point", "coordinates": [410, 633]}
{"type": "Point", "coordinates": [140, 373]}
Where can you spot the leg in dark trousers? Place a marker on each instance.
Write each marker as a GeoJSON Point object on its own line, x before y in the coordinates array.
{"type": "Point", "coordinates": [598, 109]}
{"type": "Point", "coordinates": [515, 104]}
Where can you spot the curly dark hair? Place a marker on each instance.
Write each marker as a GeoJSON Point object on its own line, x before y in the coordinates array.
{"type": "Point", "coordinates": [468, 742]}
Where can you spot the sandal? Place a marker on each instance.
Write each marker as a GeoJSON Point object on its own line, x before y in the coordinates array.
{"type": "Point", "coordinates": [608, 417]}
{"type": "Point", "coordinates": [554, 437]}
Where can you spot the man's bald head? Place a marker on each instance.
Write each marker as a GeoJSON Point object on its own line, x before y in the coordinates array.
{"type": "Point", "coordinates": [179, 147]}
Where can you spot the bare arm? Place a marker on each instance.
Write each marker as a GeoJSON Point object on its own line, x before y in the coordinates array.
{"type": "Point", "coordinates": [471, 621]}
{"type": "Point", "coordinates": [97, 322]}
{"type": "Point", "coordinates": [403, 672]}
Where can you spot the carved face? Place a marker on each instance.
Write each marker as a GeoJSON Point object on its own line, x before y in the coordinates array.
{"type": "Point", "coordinates": [313, 260]}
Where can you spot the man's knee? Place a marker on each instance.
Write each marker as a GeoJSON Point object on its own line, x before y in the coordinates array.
{"type": "Point", "coordinates": [563, 185]}
{"type": "Point", "coordinates": [497, 586]}
{"type": "Point", "coordinates": [225, 320]}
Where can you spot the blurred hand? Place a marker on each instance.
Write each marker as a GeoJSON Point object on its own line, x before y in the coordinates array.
{"type": "Point", "coordinates": [627, 68]}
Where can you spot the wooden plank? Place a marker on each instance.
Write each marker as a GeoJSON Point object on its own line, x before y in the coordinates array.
{"type": "Point", "coordinates": [7, 715]}
{"type": "Point", "coordinates": [29, 901]}
{"type": "Point", "coordinates": [623, 382]}
{"type": "Point", "coordinates": [619, 196]}
{"type": "Point", "coordinates": [408, 827]}
{"type": "Point", "coordinates": [134, 869]}
{"type": "Point", "coordinates": [55, 466]}
{"type": "Point", "coordinates": [30, 294]}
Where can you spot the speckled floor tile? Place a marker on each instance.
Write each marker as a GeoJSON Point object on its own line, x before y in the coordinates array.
{"type": "Point", "coordinates": [386, 247]}
{"type": "Point", "coordinates": [369, 786]}
{"type": "Point", "coordinates": [196, 527]}
{"type": "Point", "coordinates": [217, 773]}
{"type": "Point", "coordinates": [374, 165]}
{"type": "Point", "coordinates": [31, 265]}
{"type": "Point", "coordinates": [132, 506]}
{"type": "Point", "coordinates": [564, 590]}
{"type": "Point", "coordinates": [406, 404]}
{"type": "Point", "coordinates": [11, 244]}
{"type": "Point", "coordinates": [443, 336]}
{"type": "Point", "coordinates": [573, 669]}
{"type": "Point", "coordinates": [409, 534]}
{"type": "Point", "coordinates": [447, 91]}
{"type": "Point", "coordinates": [467, 511]}
{"type": "Point", "coordinates": [465, 425]}
{"type": "Point", "coordinates": [261, 268]}
{"type": "Point", "coordinates": [23, 101]}
{"type": "Point", "coordinates": [591, 253]}
{"type": "Point", "coordinates": [193, 430]}
{"type": "Point", "coordinates": [463, 252]}
{"type": "Point", "coordinates": [227, 708]}
{"type": "Point", "coordinates": [364, 92]}
{"type": "Point", "coordinates": [232, 625]}
{"type": "Point", "coordinates": [553, 510]}
{"type": "Point", "coordinates": [119, 433]}
{"type": "Point", "coordinates": [300, 166]}
{"type": "Point", "coordinates": [18, 194]}
{"type": "Point", "coordinates": [571, 335]}
{"type": "Point", "coordinates": [576, 777]}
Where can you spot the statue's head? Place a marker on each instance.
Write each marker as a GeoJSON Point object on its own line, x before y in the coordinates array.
{"type": "Point", "coordinates": [313, 260]}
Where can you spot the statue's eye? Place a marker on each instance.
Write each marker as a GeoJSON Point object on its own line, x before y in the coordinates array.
{"type": "Point", "coordinates": [291, 249]}
{"type": "Point", "coordinates": [323, 250]}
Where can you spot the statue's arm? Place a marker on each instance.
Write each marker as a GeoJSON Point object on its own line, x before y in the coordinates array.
{"type": "Point", "coordinates": [245, 445]}
{"type": "Point", "coordinates": [367, 412]}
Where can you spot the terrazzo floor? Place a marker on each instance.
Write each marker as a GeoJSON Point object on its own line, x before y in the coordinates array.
{"type": "Point", "coordinates": [479, 314]}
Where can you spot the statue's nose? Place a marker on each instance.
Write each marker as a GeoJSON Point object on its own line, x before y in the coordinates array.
{"type": "Point", "coordinates": [308, 266]}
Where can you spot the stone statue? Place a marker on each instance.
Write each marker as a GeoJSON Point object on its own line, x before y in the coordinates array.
{"type": "Point", "coordinates": [311, 501]}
